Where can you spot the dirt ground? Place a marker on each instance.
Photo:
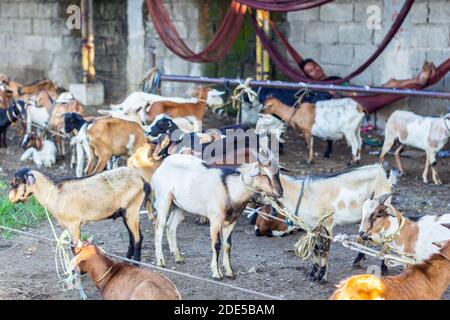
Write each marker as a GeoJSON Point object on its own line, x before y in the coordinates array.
{"type": "Point", "coordinates": [268, 265]}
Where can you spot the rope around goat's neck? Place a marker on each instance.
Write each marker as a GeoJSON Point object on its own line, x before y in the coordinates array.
{"type": "Point", "coordinates": [104, 275]}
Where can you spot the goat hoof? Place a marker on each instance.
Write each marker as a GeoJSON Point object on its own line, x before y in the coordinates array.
{"type": "Point", "coordinates": [217, 276]}
{"type": "Point", "coordinates": [179, 259]}
{"type": "Point", "coordinates": [230, 275]}
{"type": "Point", "coordinates": [161, 263]}
{"type": "Point", "coordinates": [358, 265]}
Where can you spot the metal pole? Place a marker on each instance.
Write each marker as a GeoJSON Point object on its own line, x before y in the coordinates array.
{"type": "Point", "coordinates": [312, 86]}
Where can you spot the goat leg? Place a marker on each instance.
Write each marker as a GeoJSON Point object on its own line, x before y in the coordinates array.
{"type": "Point", "coordinates": [425, 171]}
{"type": "Point", "coordinates": [174, 220]}
{"type": "Point", "coordinates": [360, 258]}
{"type": "Point", "coordinates": [397, 158]}
{"type": "Point", "coordinates": [226, 235]}
{"type": "Point", "coordinates": [215, 246]}
{"type": "Point", "coordinates": [435, 175]}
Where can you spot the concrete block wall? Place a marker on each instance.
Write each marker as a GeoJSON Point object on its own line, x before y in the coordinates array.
{"type": "Point", "coordinates": [337, 36]}
{"type": "Point", "coordinates": [35, 43]}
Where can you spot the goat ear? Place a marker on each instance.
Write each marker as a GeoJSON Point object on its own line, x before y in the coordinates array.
{"type": "Point", "coordinates": [30, 179]}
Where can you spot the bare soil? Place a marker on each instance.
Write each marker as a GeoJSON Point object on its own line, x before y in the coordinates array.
{"type": "Point", "coordinates": [268, 265]}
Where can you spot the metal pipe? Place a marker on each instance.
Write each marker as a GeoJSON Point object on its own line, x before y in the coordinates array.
{"type": "Point", "coordinates": [312, 86]}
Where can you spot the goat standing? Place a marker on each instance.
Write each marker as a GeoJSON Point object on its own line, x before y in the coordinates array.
{"type": "Point", "coordinates": [184, 183]}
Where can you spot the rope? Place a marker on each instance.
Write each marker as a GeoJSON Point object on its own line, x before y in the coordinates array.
{"type": "Point", "coordinates": [237, 96]}
{"type": "Point", "coordinates": [151, 266]}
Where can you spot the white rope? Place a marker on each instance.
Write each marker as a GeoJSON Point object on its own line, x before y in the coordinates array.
{"type": "Point", "coordinates": [256, 293]}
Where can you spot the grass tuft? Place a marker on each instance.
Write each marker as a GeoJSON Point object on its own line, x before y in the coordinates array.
{"type": "Point", "coordinates": [20, 215]}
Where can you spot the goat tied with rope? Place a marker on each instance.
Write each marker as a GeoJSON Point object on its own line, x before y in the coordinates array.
{"type": "Point", "coordinates": [74, 202]}
{"type": "Point", "coordinates": [333, 199]}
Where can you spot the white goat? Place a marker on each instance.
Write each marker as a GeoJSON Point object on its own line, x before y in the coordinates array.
{"type": "Point", "coordinates": [341, 194]}
{"type": "Point", "coordinates": [43, 152]}
{"type": "Point", "coordinates": [183, 183]}
{"type": "Point", "coordinates": [382, 221]}
{"type": "Point", "coordinates": [269, 125]}
{"type": "Point", "coordinates": [429, 134]}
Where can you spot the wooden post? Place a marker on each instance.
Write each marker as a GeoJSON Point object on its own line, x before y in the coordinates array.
{"type": "Point", "coordinates": [90, 43]}
{"type": "Point", "coordinates": [87, 36]}
{"type": "Point", "coordinates": [262, 56]}
{"type": "Point", "coordinates": [84, 36]}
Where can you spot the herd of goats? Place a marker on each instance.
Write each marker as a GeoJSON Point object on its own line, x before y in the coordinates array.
{"type": "Point", "coordinates": [173, 167]}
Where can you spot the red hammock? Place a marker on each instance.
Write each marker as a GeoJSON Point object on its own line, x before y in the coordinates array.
{"type": "Point", "coordinates": [284, 5]}
{"type": "Point", "coordinates": [297, 75]}
{"type": "Point", "coordinates": [215, 50]}
{"type": "Point", "coordinates": [373, 103]}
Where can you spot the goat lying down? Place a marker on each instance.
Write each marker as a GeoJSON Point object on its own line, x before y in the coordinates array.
{"type": "Point", "coordinates": [42, 151]}
{"type": "Point", "coordinates": [73, 202]}
{"type": "Point", "coordinates": [426, 281]}
{"type": "Point", "coordinates": [184, 183]}
{"type": "Point", "coordinates": [121, 281]}
{"type": "Point", "coordinates": [342, 194]}
{"type": "Point", "coordinates": [381, 221]}
{"type": "Point", "coordinates": [429, 134]}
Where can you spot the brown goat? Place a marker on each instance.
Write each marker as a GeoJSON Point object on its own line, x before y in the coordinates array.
{"type": "Point", "coordinates": [4, 99]}
{"type": "Point", "coordinates": [180, 109]}
{"type": "Point", "coordinates": [112, 137]}
{"type": "Point", "coordinates": [426, 281]}
{"type": "Point", "coordinates": [121, 281]}
{"type": "Point", "coordinates": [265, 225]}
{"type": "Point", "coordinates": [56, 122]}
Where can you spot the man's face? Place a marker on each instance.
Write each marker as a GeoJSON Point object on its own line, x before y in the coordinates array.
{"type": "Point", "coordinates": [314, 71]}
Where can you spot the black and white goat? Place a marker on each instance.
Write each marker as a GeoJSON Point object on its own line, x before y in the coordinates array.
{"type": "Point", "coordinates": [8, 117]}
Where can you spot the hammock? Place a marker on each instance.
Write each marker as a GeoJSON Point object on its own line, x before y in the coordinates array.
{"type": "Point", "coordinates": [297, 75]}
{"type": "Point", "coordinates": [284, 5]}
{"type": "Point", "coordinates": [373, 103]}
{"type": "Point", "coordinates": [219, 46]}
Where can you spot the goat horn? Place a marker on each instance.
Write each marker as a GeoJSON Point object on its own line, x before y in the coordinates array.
{"type": "Point", "coordinates": [372, 195]}
{"type": "Point", "coordinates": [383, 198]}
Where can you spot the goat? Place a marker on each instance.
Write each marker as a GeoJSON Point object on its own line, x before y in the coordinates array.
{"type": "Point", "coordinates": [265, 225]}
{"type": "Point", "coordinates": [144, 161]}
{"type": "Point", "coordinates": [120, 114]}
{"type": "Point", "coordinates": [42, 151]}
{"type": "Point", "coordinates": [38, 109]}
{"type": "Point", "coordinates": [341, 194]}
{"type": "Point", "coordinates": [73, 202]}
{"type": "Point", "coordinates": [270, 125]}
{"type": "Point", "coordinates": [32, 88]}
{"type": "Point", "coordinates": [64, 104]}
{"type": "Point", "coordinates": [429, 134]}
{"type": "Point", "coordinates": [112, 137]}
{"type": "Point", "coordinates": [8, 117]}
{"type": "Point", "coordinates": [330, 120]}
{"type": "Point", "coordinates": [382, 221]}
{"type": "Point", "coordinates": [137, 102]}
{"type": "Point", "coordinates": [180, 109]}
{"type": "Point", "coordinates": [220, 194]}
{"type": "Point", "coordinates": [121, 281]}
{"type": "Point", "coordinates": [4, 99]}
{"type": "Point", "coordinates": [426, 281]}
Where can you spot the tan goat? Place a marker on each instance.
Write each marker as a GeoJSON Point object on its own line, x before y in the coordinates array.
{"type": "Point", "coordinates": [180, 109]}
{"type": "Point", "coordinates": [144, 161]}
{"type": "Point", "coordinates": [121, 281]}
{"type": "Point", "coordinates": [329, 120]}
{"type": "Point", "coordinates": [426, 281]}
{"type": "Point", "coordinates": [74, 202]}
{"type": "Point", "coordinates": [112, 137]}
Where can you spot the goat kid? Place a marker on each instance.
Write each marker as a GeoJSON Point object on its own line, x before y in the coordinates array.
{"type": "Point", "coordinates": [381, 222]}
{"type": "Point", "coordinates": [8, 117]}
{"type": "Point", "coordinates": [42, 151]}
{"type": "Point", "coordinates": [426, 281]}
{"type": "Point", "coordinates": [329, 120]}
{"type": "Point", "coordinates": [121, 281]}
{"type": "Point", "coordinates": [74, 202]}
{"type": "Point", "coordinates": [219, 194]}
{"type": "Point", "coordinates": [429, 134]}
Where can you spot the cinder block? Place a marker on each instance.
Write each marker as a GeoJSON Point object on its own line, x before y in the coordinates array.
{"type": "Point", "coordinates": [33, 42]}
{"type": "Point", "coordinates": [341, 55]}
{"type": "Point", "coordinates": [52, 44]}
{"type": "Point", "coordinates": [42, 26]}
{"type": "Point", "coordinates": [303, 15]}
{"type": "Point", "coordinates": [9, 9]}
{"type": "Point", "coordinates": [419, 12]}
{"type": "Point", "coordinates": [322, 33]}
{"type": "Point", "coordinates": [341, 12]}
{"type": "Point", "coordinates": [47, 10]}
{"type": "Point", "coordinates": [91, 94]}
{"type": "Point", "coordinates": [355, 33]}
{"type": "Point", "coordinates": [427, 36]}
{"type": "Point", "coordinates": [22, 26]}
{"type": "Point", "coordinates": [439, 12]}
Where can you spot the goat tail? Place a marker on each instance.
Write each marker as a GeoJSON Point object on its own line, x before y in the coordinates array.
{"type": "Point", "coordinates": [148, 202]}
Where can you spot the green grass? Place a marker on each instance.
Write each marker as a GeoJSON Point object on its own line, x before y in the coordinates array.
{"type": "Point", "coordinates": [20, 215]}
